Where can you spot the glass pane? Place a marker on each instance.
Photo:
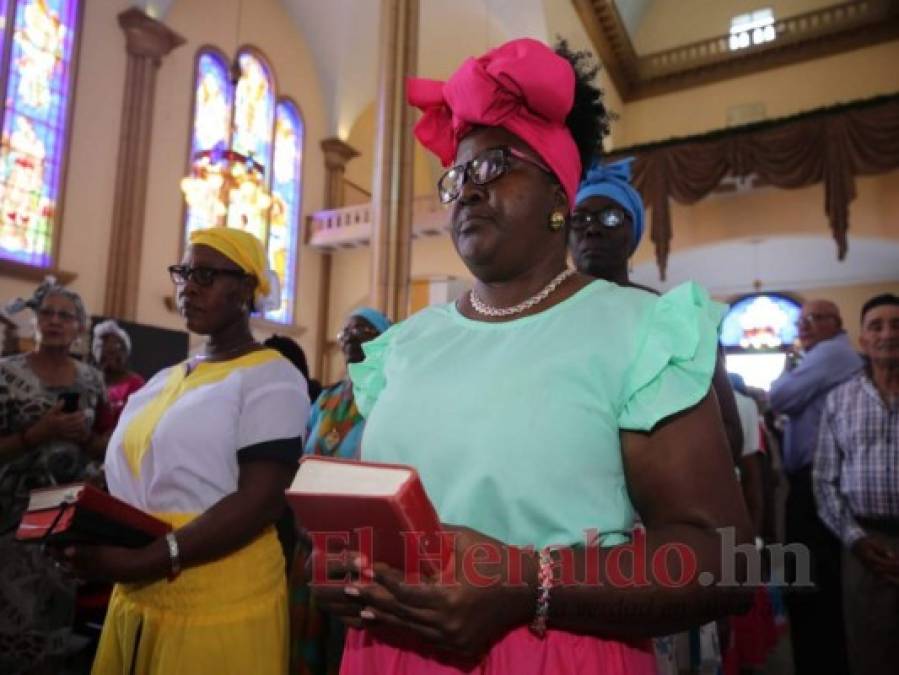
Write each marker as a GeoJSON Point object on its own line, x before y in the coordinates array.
{"type": "Point", "coordinates": [254, 108]}
{"type": "Point", "coordinates": [212, 103]}
{"type": "Point", "coordinates": [285, 213]}
{"type": "Point", "coordinates": [757, 370]}
{"type": "Point", "coordinates": [213, 95]}
{"type": "Point", "coordinates": [760, 322]}
{"type": "Point", "coordinates": [34, 129]}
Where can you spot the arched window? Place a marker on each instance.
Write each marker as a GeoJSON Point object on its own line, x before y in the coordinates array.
{"type": "Point", "coordinates": [757, 333]}
{"type": "Point", "coordinates": [247, 118]}
{"type": "Point", "coordinates": [285, 212]}
{"type": "Point", "coordinates": [38, 42]}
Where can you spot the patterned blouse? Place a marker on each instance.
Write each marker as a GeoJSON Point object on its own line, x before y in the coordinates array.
{"type": "Point", "coordinates": [24, 399]}
{"type": "Point", "coordinates": [36, 600]}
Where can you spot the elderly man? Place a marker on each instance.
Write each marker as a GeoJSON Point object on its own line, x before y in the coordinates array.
{"type": "Point", "coordinates": [816, 623]}
{"type": "Point", "coordinates": [856, 480]}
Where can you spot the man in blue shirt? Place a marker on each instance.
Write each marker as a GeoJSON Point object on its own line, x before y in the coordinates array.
{"type": "Point", "coordinates": [816, 618]}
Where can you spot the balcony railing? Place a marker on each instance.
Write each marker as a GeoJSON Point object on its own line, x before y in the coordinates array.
{"type": "Point", "coordinates": [350, 227]}
{"type": "Point", "coordinates": [789, 30]}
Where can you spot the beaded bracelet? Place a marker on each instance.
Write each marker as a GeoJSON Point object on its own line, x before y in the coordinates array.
{"type": "Point", "coordinates": [544, 585]}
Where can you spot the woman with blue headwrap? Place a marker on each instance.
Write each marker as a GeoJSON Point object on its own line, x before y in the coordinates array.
{"type": "Point", "coordinates": [604, 231]}
{"type": "Point", "coordinates": [607, 223]}
{"type": "Point", "coordinates": [334, 430]}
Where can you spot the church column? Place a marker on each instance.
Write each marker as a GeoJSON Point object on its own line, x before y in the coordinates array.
{"type": "Point", "coordinates": [337, 154]}
{"type": "Point", "coordinates": [147, 41]}
{"type": "Point", "coordinates": [391, 240]}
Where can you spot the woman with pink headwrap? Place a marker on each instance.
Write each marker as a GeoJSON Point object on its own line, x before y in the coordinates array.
{"type": "Point", "coordinates": [542, 410]}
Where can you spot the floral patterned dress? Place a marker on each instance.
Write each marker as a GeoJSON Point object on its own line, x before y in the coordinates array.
{"type": "Point", "coordinates": [36, 600]}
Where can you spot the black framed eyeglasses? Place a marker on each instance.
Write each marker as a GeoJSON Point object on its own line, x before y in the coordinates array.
{"type": "Point", "coordinates": [610, 217]}
{"type": "Point", "coordinates": [482, 169]}
{"type": "Point", "coordinates": [363, 333]}
{"type": "Point", "coordinates": [201, 276]}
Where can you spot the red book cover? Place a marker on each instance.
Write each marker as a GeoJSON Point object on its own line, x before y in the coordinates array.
{"type": "Point", "coordinates": [80, 513]}
{"type": "Point", "coordinates": [379, 509]}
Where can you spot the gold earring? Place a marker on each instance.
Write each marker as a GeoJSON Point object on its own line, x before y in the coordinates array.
{"type": "Point", "coordinates": [556, 221]}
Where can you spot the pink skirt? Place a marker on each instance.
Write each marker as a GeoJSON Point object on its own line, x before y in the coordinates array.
{"type": "Point", "coordinates": [519, 652]}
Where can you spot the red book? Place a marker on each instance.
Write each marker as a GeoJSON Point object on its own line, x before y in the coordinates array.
{"type": "Point", "coordinates": [381, 510]}
{"type": "Point", "coordinates": [81, 514]}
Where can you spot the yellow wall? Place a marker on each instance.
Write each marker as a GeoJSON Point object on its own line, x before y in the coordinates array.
{"type": "Point", "coordinates": [92, 163]}
{"type": "Point", "coordinates": [784, 91]}
{"type": "Point", "coordinates": [360, 170]}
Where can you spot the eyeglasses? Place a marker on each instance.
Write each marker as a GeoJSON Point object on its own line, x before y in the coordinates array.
{"type": "Point", "coordinates": [201, 276]}
{"type": "Point", "coordinates": [366, 332]}
{"type": "Point", "coordinates": [611, 217]}
{"type": "Point", "coordinates": [48, 313]}
{"type": "Point", "coordinates": [486, 167]}
{"type": "Point", "coordinates": [812, 319]}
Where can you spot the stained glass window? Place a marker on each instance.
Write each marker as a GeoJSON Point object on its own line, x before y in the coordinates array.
{"type": "Point", "coordinates": [254, 107]}
{"type": "Point", "coordinates": [756, 334]}
{"type": "Point", "coordinates": [211, 128]}
{"type": "Point", "coordinates": [245, 118]}
{"type": "Point", "coordinates": [35, 118]}
{"type": "Point", "coordinates": [764, 321]}
{"type": "Point", "coordinates": [285, 211]}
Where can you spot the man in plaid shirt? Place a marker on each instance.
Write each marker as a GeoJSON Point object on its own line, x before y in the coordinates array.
{"type": "Point", "coordinates": [856, 483]}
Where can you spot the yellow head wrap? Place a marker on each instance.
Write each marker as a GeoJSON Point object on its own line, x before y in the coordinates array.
{"type": "Point", "coordinates": [241, 248]}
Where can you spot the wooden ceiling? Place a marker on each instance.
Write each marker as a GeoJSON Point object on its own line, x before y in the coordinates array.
{"type": "Point", "coordinates": [829, 30]}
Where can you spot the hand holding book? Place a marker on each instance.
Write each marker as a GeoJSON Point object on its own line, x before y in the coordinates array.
{"type": "Point", "coordinates": [97, 535]}
{"type": "Point", "coordinates": [490, 589]}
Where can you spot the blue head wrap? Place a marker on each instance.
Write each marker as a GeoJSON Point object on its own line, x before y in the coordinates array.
{"type": "Point", "coordinates": [374, 317]}
{"type": "Point", "coordinates": [614, 181]}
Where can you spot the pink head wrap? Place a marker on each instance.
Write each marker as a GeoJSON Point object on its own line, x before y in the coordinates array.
{"type": "Point", "coordinates": [522, 86]}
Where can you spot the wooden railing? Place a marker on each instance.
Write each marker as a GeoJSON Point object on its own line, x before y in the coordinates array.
{"type": "Point", "coordinates": [789, 30]}
{"type": "Point", "coordinates": [350, 226]}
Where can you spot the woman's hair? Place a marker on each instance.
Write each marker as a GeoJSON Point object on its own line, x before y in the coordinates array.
{"type": "Point", "coordinates": [589, 119]}
{"type": "Point", "coordinates": [291, 351]}
{"type": "Point", "coordinates": [49, 287]}
{"type": "Point", "coordinates": [109, 327]}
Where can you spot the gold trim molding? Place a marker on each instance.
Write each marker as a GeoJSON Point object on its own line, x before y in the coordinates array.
{"type": "Point", "coordinates": [822, 32]}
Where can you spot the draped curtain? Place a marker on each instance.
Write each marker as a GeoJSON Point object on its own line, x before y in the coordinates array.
{"type": "Point", "coordinates": [830, 146]}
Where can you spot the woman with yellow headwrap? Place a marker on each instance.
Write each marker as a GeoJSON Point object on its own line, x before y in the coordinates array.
{"type": "Point", "coordinates": [208, 445]}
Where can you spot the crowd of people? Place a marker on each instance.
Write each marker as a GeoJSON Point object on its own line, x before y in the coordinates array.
{"type": "Point", "coordinates": [564, 418]}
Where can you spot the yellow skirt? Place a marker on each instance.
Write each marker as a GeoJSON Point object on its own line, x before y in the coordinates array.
{"type": "Point", "coordinates": [227, 617]}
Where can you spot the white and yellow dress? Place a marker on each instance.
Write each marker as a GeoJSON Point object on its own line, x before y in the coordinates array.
{"type": "Point", "coordinates": [176, 452]}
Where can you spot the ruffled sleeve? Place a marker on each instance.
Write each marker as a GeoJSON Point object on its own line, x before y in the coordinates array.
{"type": "Point", "coordinates": [675, 358]}
{"type": "Point", "coordinates": [368, 376]}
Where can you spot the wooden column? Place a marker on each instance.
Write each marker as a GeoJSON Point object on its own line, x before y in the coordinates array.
{"type": "Point", "coordinates": [337, 154]}
{"type": "Point", "coordinates": [391, 240]}
{"type": "Point", "coordinates": [147, 41]}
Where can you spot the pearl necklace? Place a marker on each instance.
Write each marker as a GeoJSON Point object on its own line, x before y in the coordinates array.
{"type": "Point", "coordinates": [486, 310]}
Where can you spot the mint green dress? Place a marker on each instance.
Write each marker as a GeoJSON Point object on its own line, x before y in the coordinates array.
{"type": "Point", "coordinates": [514, 427]}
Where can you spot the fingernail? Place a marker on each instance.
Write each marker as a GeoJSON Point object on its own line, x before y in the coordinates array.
{"type": "Point", "coordinates": [351, 590]}
{"type": "Point", "coordinates": [367, 614]}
